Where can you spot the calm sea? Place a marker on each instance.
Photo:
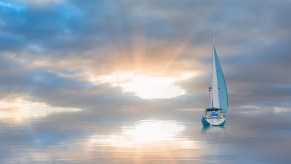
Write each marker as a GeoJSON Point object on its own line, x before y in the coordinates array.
{"type": "Point", "coordinates": [133, 137]}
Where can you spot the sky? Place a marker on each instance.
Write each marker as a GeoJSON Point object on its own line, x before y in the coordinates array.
{"type": "Point", "coordinates": [71, 67]}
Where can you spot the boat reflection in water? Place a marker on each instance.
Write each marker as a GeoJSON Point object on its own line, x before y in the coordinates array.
{"type": "Point", "coordinates": [213, 130]}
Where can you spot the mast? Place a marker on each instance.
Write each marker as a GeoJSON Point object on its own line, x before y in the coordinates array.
{"type": "Point", "coordinates": [213, 70]}
{"type": "Point", "coordinates": [214, 82]}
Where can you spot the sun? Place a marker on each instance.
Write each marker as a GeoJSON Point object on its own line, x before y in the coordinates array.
{"type": "Point", "coordinates": [146, 86]}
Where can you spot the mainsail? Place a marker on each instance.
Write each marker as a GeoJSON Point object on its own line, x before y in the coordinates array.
{"type": "Point", "coordinates": [219, 97]}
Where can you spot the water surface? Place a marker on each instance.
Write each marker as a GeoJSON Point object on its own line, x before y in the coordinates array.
{"type": "Point", "coordinates": [246, 138]}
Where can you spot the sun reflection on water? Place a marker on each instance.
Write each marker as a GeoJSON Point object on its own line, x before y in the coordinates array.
{"type": "Point", "coordinates": [146, 133]}
{"type": "Point", "coordinates": [147, 141]}
{"type": "Point", "coordinates": [154, 131]}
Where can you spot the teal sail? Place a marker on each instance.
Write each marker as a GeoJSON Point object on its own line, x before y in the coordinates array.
{"type": "Point", "coordinates": [219, 96]}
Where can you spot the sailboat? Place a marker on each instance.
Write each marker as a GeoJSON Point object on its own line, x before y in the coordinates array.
{"type": "Point", "coordinates": [215, 115]}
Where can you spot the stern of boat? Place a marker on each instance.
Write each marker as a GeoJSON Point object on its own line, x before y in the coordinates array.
{"type": "Point", "coordinates": [213, 117]}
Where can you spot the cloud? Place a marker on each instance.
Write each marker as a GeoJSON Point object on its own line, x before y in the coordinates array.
{"type": "Point", "coordinates": [42, 1]}
{"type": "Point", "coordinates": [59, 48]}
{"type": "Point", "coordinates": [18, 109]}
{"type": "Point", "coordinates": [281, 110]}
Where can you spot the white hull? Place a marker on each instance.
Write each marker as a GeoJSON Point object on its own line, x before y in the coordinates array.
{"type": "Point", "coordinates": [213, 118]}
{"type": "Point", "coordinates": [215, 122]}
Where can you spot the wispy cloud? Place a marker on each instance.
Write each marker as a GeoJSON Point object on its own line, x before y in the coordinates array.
{"type": "Point", "coordinates": [17, 109]}
{"type": "Point", "coordinates": [13, 6]}
{"type": "Point", "coordinates": [42, 3]}
{"type": "Point", "coordinates": [281, 110]}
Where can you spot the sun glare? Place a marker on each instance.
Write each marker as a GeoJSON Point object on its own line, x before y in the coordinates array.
{"type": "Point", "coordinates": [146, 86]}
{"type": "Point", "coordinates": [151, 133]}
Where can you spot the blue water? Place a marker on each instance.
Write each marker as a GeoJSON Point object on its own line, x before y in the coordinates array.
{"type": "Point", "coordinates": [148, 138]}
